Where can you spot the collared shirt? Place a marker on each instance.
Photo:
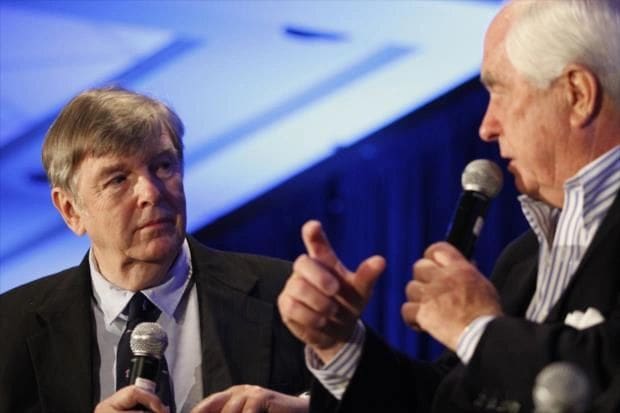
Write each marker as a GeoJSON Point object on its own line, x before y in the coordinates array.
{"type": "Point", "coordinates": [563, 235]}
{"type": "Point", "coordinates": [588, 197]}
{"type": "Point", "coordinates": [177, 299]}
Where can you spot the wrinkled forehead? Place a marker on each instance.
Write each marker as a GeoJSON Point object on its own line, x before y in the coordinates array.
{"type": "Point", "coordinates": [155, 144]}
{"type": "Point", "coordinates": [138, 146]}
{"type": "Point", "coordinates": [494, 52]}
{"type": "Point", "coordinates": [152, 148]}
{"type": "Point", "coordinates": [502, 23]}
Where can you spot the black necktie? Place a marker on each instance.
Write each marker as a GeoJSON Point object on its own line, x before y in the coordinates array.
{"type": "Point", "coordinates": [140, 310]}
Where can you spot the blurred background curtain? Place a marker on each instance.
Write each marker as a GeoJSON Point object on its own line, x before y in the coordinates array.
{"type": "Point", "coordinates": [393, 194]}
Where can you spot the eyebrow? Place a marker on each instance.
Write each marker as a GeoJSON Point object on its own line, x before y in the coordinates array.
{"type": "Point", "coordinates": [166, 152]}
{"type": "Point", "coordinates": [487, 79]}
{"type": "Point", "coordinates": [492, 80]}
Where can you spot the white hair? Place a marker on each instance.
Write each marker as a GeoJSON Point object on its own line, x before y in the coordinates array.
{"type": "Point", "coordinates": [550, 34]}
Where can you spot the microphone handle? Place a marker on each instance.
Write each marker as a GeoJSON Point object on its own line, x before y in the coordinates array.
{"type": "Point", "coordinates": [467, 221]}
{"type": "Point", "coordinates": [143, 373]}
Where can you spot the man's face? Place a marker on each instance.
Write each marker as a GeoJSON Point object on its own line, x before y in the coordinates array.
{"type": "Point", "coordinates": [132, 207]}
{"type": "Point", "coordinates": [529, 123]}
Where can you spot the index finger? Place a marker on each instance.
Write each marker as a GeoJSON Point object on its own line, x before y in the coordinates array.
{"type": "Point", "coordinates": [318, 246]}
{"type": "Point", "coordinates": [214, 403]}
{"type": "Point", "coordinates": [131, 396]}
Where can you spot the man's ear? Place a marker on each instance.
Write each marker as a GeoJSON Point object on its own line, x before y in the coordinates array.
{"type": "Point", "coordinates": [66, 204]}
{"type": "Point", "coordinates": [584, 94]}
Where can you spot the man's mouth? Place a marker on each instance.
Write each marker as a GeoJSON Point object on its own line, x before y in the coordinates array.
{"type": "Point", "coordinates": [155, 223]}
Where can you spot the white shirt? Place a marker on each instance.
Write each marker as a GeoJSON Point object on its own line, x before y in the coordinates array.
{"type": "Point", "coordinates": [177, 299]}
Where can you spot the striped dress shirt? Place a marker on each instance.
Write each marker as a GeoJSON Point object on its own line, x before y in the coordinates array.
{"type": "Point", "coordinates": [563, 237]}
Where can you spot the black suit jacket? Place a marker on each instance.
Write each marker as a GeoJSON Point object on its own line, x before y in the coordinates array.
{"type": "Point", "coordinates": [49, 360]}
{"type": "Point", "coordinates": [512, 351]}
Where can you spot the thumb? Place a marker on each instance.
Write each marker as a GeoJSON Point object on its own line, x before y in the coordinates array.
{"type": "Point", "coordinates": [443, 253]}
{"type": "Point", "coordinates": [357, 289]}
{"type": "Point", "coordinates": [367, 275]}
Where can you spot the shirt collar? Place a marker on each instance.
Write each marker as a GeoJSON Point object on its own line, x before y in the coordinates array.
{"type": "Point", "coordinates": [594, 181]}
{"type": "Point", "coordinates": [542, 217]}
{"type": "Point", "coordinates": [112, 299]}
{"type": "Point", "coordinates": [597, 184]}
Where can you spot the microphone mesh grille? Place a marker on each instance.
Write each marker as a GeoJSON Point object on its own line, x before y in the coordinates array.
{"type": "Point", "coordinates": [562, 387]}
{"type": "Point", "coordinates": [148, 339]}
{"type": "Point", "coordinates": [482, 176]}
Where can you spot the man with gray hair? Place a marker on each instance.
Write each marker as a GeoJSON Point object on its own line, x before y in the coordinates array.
{"type": "Point", "coordinates": [552, 69]}
{"type": "Point", "coordinates": [114, 159]}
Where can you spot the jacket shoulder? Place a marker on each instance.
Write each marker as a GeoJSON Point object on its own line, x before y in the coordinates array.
{"type": "Point", "coordinates": [238, 270]}
{"type": "Point", "coordinates": [37, 292]}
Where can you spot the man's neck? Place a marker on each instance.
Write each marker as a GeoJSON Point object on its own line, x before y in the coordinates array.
{"type": "Point", "coordinates": [134, 275]}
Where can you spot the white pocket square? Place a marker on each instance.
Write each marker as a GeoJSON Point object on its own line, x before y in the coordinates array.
{"type": "Point", "coordinates": [581, 320]}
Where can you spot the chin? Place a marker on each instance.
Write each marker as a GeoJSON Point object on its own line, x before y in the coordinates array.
{"type": "Point", "coordinates": [161, 247]}
{"type": "Point", "coordinates": [523, 185]}
{"type": "Point", "coordinates": [520, 185]}
{"type": "Point", "coordinates": [530, 190]}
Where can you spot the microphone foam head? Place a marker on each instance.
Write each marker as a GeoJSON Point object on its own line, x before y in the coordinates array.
{"type": "Point", "coordinates": [482, 176]}
{"type": "Point", "coordinates": [561, 387]}
{"type": "Point", "coordinates": [148, 339]}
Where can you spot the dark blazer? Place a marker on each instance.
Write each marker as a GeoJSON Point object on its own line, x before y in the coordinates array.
{"type": "Point", "coordinates": [49, 360]}
{"type": "Point", "coordinates": [512, 350]}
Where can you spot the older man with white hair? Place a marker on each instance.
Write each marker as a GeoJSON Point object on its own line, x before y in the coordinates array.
{"type": "Point", "coordinates": [552, 69]}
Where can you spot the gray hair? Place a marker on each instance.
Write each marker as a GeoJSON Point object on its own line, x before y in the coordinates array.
{"type": "Point", "coordinates": [550, 34]}
{"type": "Point", "coordinates": [105, 121]}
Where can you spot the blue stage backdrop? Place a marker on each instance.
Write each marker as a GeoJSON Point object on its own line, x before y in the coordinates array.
{"type": "Point", "coordinates": [393, 194]}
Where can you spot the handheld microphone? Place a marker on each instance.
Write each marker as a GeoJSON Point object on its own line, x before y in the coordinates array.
{"type": "Point", "coordinates": [481, 180]}
{"type": "Point", "coordinates": [148, 342]}
{"type": "Point", "coordinates": [561, 387]}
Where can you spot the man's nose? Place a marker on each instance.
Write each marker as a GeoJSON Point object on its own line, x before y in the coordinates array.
{"type": "Point", "coordinates": [489, 130]}
{"type": "Point", "coordinates": [148, 189]}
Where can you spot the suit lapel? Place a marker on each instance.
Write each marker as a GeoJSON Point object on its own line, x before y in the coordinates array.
{"type": "Point", "coordinates": [235, 326]}
{"type": "Point", "coordinates": [63, 349]}
{"type": "Point", "coordinates": [608, 226]}
{"type": "Point", "coordinates": [521, 287]}
{"type": "Point", "coordinates": [516, 281]}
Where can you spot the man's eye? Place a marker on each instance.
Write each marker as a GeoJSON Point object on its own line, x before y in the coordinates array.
{"type": "Point", "coordinates": [165, 168]}
{"type": "Point", "coordinates": [117, 180]}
